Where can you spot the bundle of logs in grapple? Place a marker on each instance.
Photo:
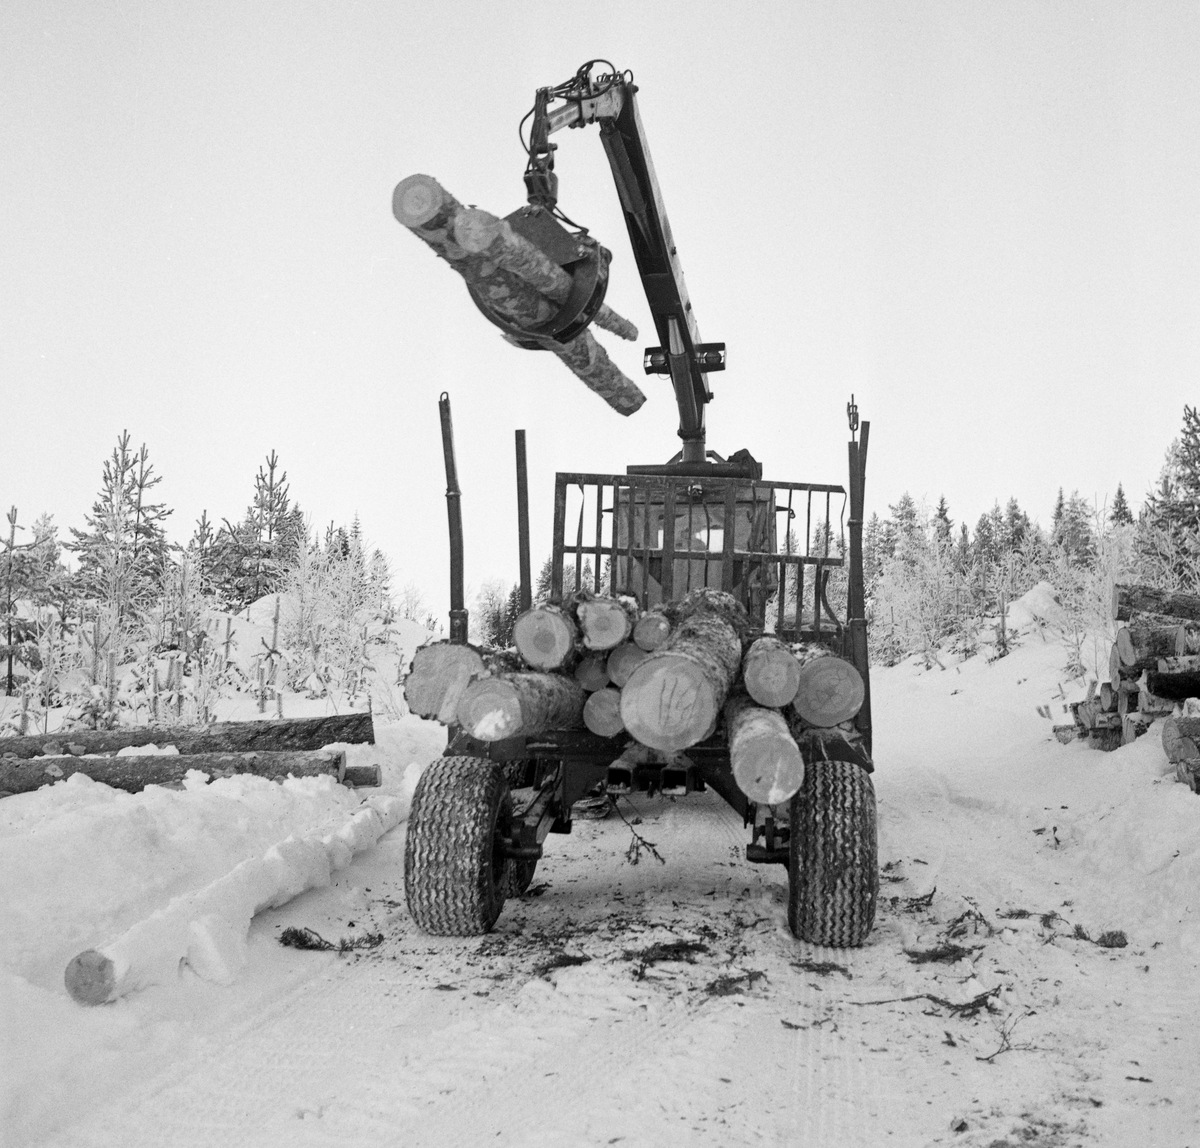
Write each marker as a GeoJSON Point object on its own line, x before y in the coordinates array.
{"type": "Point", "coordinates": [1153, 666]}
{"type": "Point", "coordinates": [664, 679]}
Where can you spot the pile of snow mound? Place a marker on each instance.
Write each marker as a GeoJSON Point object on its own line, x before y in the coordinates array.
{"type": "Point", "coordinates": [83, 862]}
{"type": "Point", "coordinates": [1039, 605]}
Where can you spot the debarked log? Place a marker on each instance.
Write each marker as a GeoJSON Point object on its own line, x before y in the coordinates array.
{"type": "Point", "coordinates": [520, 705]}
{"type": "Point", "coordinates": [422, 205]}
{"type": "Point", "coordinates": [767, 764]}
{"type": "Point", "coordinates": [133, 773]}
{"type": "Point", "coordinates": [220, 737]}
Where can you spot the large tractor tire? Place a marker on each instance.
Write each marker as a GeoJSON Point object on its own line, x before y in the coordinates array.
{"type": "Point", "coordinates": [455, 875]}
{"type": "Point", "coordinates": [833, 855]}
{"type": "Point", "coordinates": [520, 877]}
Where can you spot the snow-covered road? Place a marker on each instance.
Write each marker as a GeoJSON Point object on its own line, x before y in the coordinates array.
{"type": "Point", "coordinates": [656, 1004]}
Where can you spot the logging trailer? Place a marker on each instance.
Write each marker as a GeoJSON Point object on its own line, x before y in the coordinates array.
{"type": "Point", "coordinates": [657, 534]}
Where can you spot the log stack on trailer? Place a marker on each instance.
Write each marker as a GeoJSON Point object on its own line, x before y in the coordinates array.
{"type": "Point", "coordinates": [1153, 667]}
{"type": "Point", "coordinates": [665, 679]}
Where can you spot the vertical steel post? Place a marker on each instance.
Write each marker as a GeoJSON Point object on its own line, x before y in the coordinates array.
{"type": "Point", "coordinates": [458, 610]}
{"type": "Point", "coordinates": [523, 523]}
{"type": "Point", "coordinates": [857, 620]}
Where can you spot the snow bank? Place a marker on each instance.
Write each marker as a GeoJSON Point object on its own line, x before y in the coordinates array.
{"type": "Point", "coordinates": [84, 863]}
{"type": "Point", "coordinates": [207, 929]}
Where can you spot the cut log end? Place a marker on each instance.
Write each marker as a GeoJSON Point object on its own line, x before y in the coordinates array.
{"type": "Point", "coordinates": [771, 672]}
{"type": "Point", "coordinates": [652, 631]}
{"type": "Point", "coordinates": [545, 637]}
{"type": "Point", "coordinates": [418, 199]}
{"type": "Point", "coordinates": [602, 713]}
{"type": "Point", "coordinates": [669, 703]}
{"type": "Point", "coordinates": [490, 710]}
{"type": "Point", "coordinates": [831, 690]}
{"type": "Point", "coordinates": [623, 661]}
{"type": "Point", "coordinates": [91, 978]}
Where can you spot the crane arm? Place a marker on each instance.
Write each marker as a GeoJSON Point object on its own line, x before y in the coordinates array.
{"type": "Point", "coordinates": [610, 100]}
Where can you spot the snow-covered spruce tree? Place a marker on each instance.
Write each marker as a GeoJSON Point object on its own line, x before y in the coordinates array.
{"type": "Point", "coordinates": [123, 552]}
{"type": "Point", "coordinates": [1169, 527]}
{"type": "Point", "coordinates": [249, 557]}
{"type": "Point", "coordinates": [1120, 514]}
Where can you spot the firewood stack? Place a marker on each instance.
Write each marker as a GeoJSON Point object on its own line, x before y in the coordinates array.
{"type": "Point", "coordinates": [1153, 666]}
{"type": "Point", "coordinates": [665, 679]}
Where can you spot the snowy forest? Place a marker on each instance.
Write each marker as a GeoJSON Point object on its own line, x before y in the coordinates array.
{"type": "Point", "coordinates": [114, 622]}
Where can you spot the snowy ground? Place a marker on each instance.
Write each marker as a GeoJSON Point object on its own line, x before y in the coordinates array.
{"type": "Point", "coordinates": [648, 1004]}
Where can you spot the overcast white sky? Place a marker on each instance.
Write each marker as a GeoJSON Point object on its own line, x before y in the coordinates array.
{"type": "Point", "coordinates": [980, 218]}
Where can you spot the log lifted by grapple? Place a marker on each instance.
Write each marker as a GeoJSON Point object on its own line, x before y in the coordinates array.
{"type": "Point", "coordinates": [744, 589]}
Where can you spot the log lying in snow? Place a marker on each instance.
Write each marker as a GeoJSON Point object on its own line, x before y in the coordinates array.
{"type": "Point", "coordinates": [767, 764]}
{"type": "Point", "coordinates": [431, 213]}
{"type": "Point", "coordinates": [1185, 664]}
{"type": "Point", "coordinates": [546, 637]}
{"type": "Point", "coordinates": [623, 661]}
{"type": "Point", "coordinates": [520, 705]}
{"type": "Point", "coordinates": [771, 672]}
{"type": "Point", "coordinates": [605, 622]}
{"type": "Point", "coordinates": [481, 233]}
{"type": "Point", "coordinates": [134, 773]}
{"type": "Point", "coordinates": [220, 737]}
{"type": "Point", "coordinates": [1140, 647]}
{"type": "Point", "coordinates": [602, 713]}
{"type": "Point", "coordinates": [1128, 600]}
{"type": "Point", "coordinates": [673, 699]}
{"type": "Point", "coordinates": [831, 690]}
{"type": "Point", "coordinates": [207, 928]}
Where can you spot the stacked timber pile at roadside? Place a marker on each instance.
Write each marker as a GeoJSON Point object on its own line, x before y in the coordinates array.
{"type": "Point", "coordinates": [1153, 666]}
{"type": "Point", "coordinates": [666, 679]}
{"type": "Point", "coordinates": [273, 749]}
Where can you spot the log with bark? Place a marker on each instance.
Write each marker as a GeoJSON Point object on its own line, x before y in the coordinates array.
{"type": "Point", "coordinates": [439, 674]}
{"type": "Point", "coordinates": [1180, 737]}
{"type": "Point", "coordinates": [481, 233]}
{"type": "Point", "coordinates": [831, 690]}
{"type": "Point", "coordinates": [1120, 675]}
{"type": "Point", "coordinates": [1136, 599]}
{"type": "Point", "coordinates": [1151, 703]}
{"type": "Point", "coordinates": [1173, 685]}
{"type": "Point", "coordinates": [673, 699]}
{"type": "Point", "coordinates": [602, 713]}
{"type": "Point", "coordinates": [135, 772]}
{"type": "Point", "coordinates": [1133, 726]}
{"type": "Point", "coordinates": [432, 214]}
{"type": "Point", "coordinates": [1140, 647]}
{"type": "Point", "coordinates": [1184, 664]}
{"type": "Point", "coordinates": [767, 764]}
{"type": "Point", "coordinates": [771, 672]}
{"type": "Point", "coordinates": [623, 661]}
{"type": "Point", "coordinates": [546, 637]}
{"type": "Point", "coordinates": [220, 737]}
{"type": "Point", "coordinates": [592, 672]}
{"type": "Point", "coordinates": [605, 622]}
{"type": "Point", "coordinates": [520, 705]}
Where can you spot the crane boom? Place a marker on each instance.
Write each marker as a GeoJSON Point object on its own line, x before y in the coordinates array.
{"type": "Point", "coordinates": [609, 99]}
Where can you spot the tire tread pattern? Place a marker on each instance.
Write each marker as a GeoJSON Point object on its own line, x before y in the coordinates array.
{"type": "Point", "coordinates": [833, 873]}
{"type": "Point", "coordinates": [454, 883]}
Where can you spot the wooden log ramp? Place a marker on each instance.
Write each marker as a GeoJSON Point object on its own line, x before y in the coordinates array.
{"type": "Point", "coordinates": [767, 763]}
{"type": "Point", "coordinates": [673, 699]}
{"type": "Point", "coordinates": [520, 705]}
{"type": "Point", "coordinates": [506, 273]}
{"type": "Point", "coordinates": [133, 773]}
